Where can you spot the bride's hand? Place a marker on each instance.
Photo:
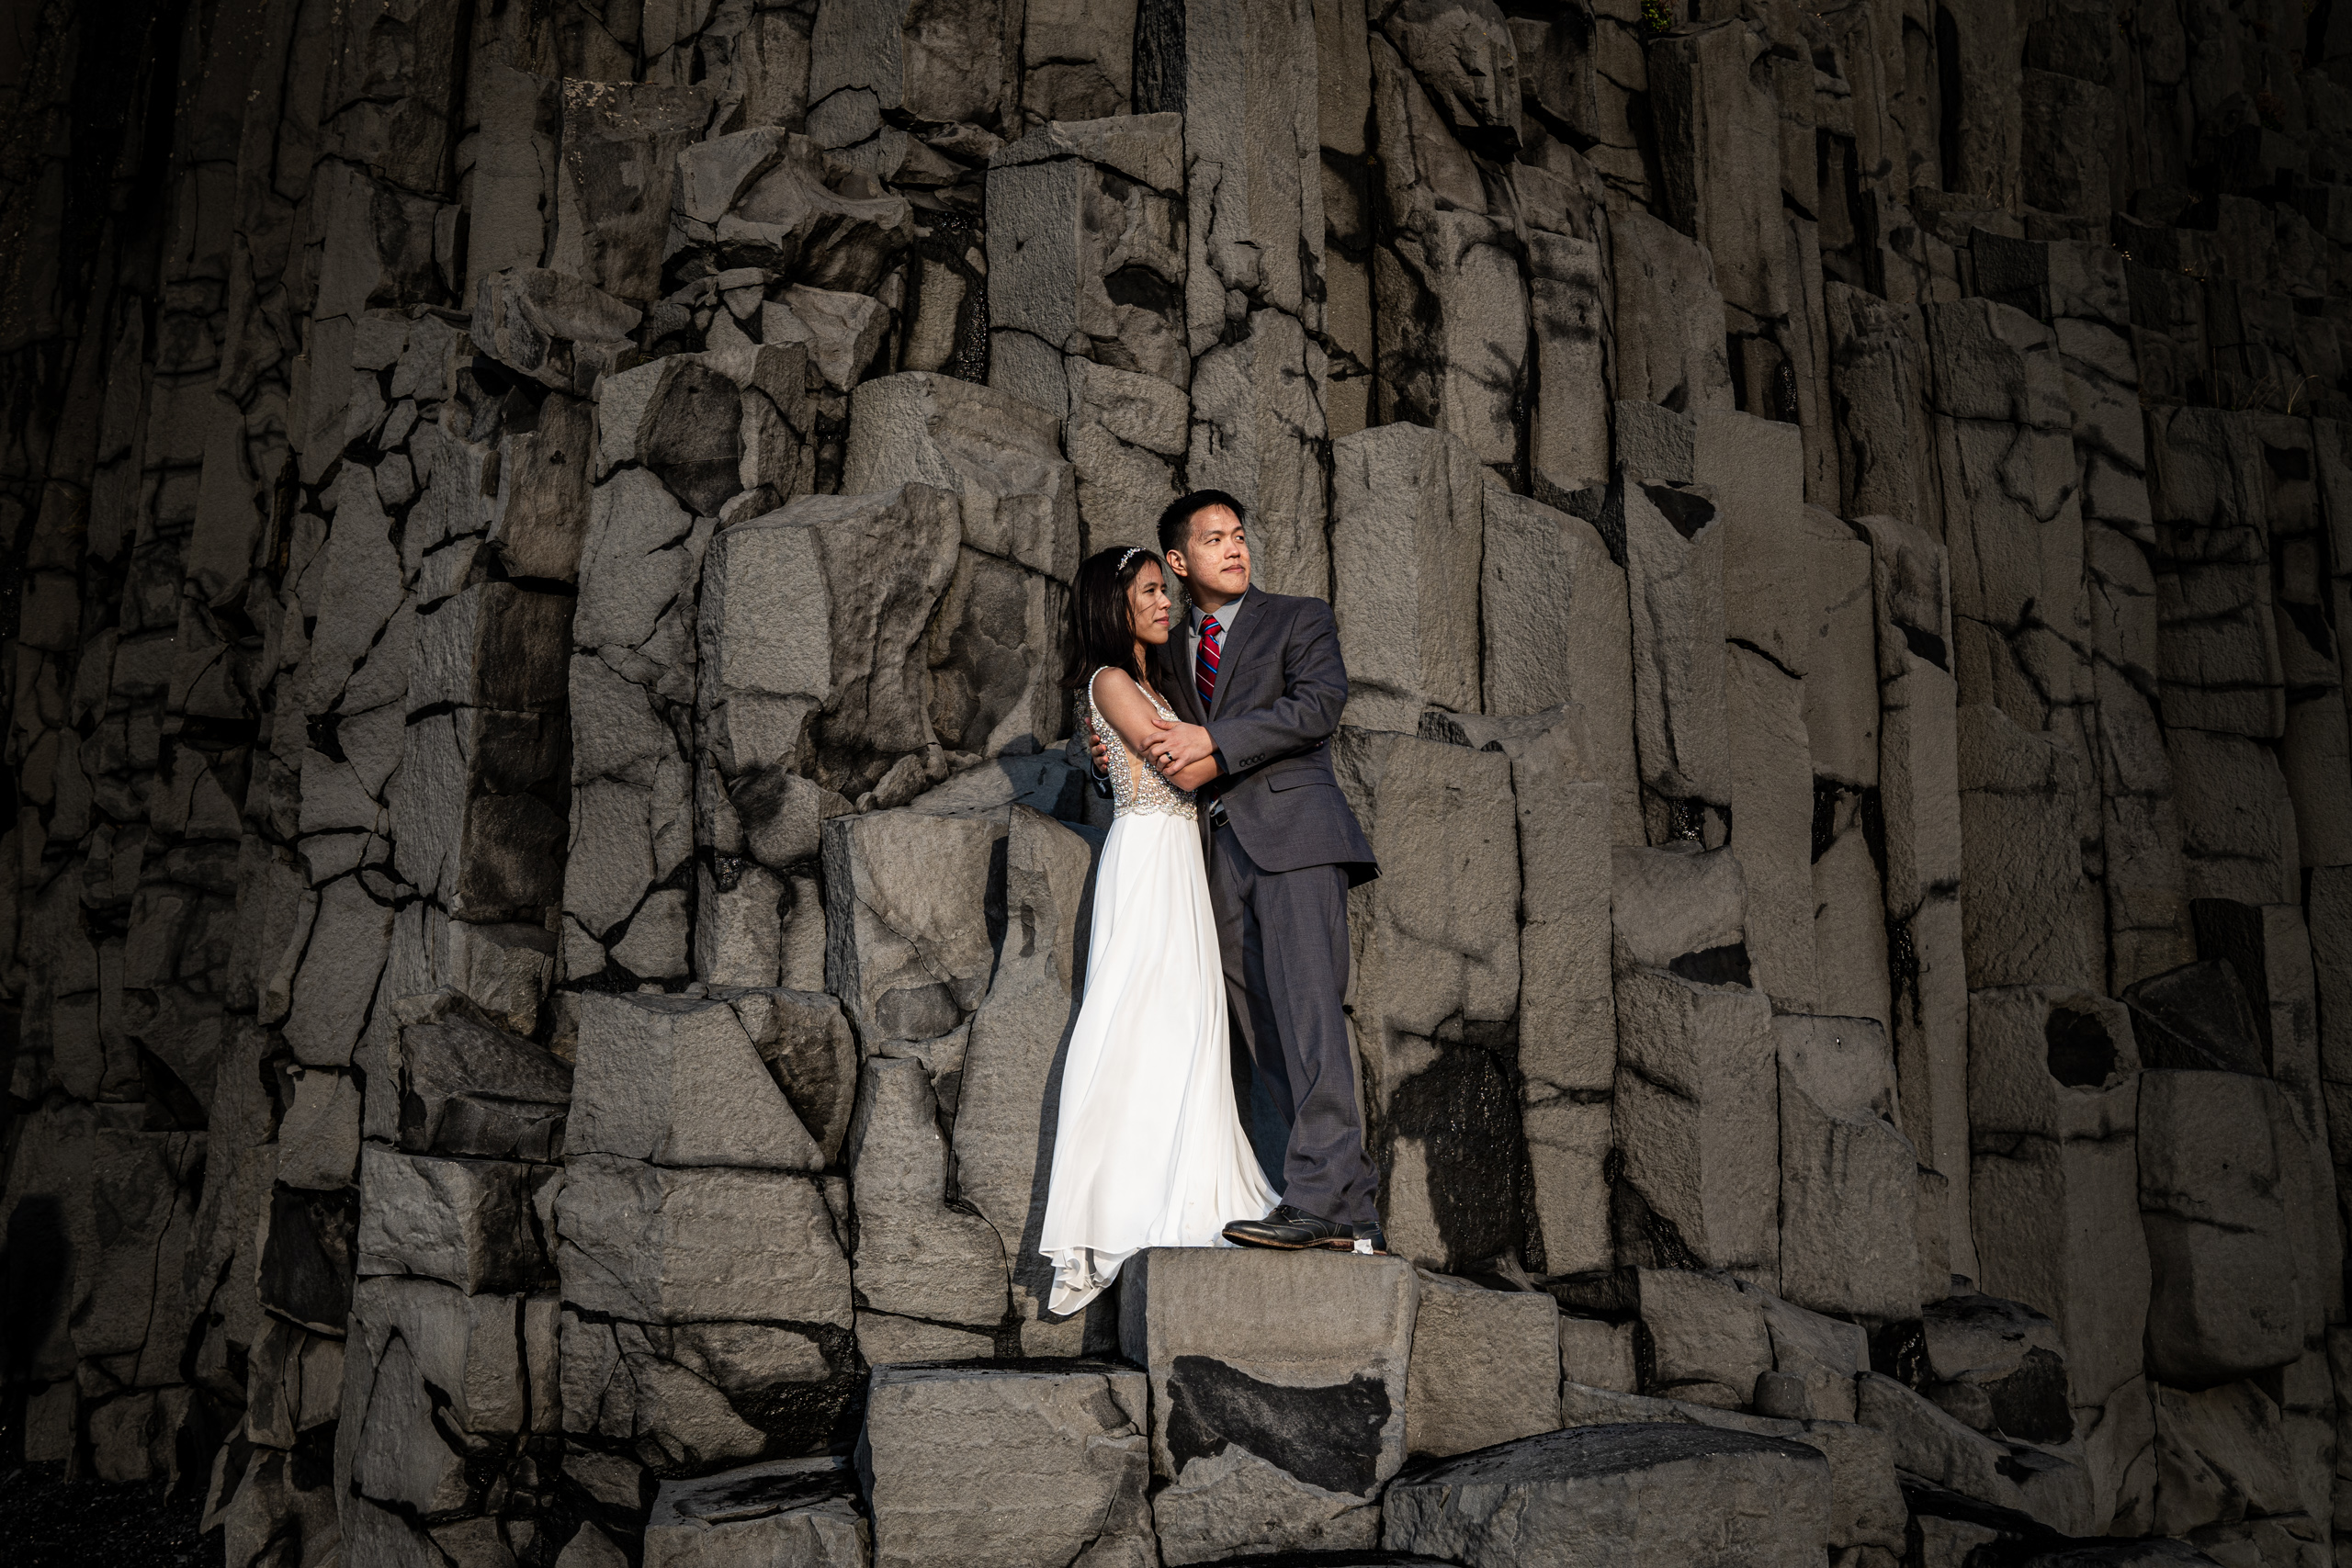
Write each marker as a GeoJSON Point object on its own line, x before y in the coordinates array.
{"type": "Point", "coordinates": [1178, 745]}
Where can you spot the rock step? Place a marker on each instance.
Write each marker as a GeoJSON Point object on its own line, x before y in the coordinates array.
{"type": "Point", "coordinates": [1331, 1559]}
{"type": "Point", "coordinates": [1278, 1394]}
{"type": "Point", "coordinates": [794, 1513]}
{"type": "Point", "coordinates": [1010, 1464]}
{"type": "Point", "coordinates": [1952, 1528]}
{"type": "Point", "coordinates": [1272, 1402]}
{"type": "Point", "coordinates": [1640, 1496]}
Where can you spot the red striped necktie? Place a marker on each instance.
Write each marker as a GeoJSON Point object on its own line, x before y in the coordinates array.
{"type": "Point", "coordinates": [1205, 663]}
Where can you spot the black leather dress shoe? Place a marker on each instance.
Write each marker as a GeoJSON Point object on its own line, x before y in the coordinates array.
{"type": "Point", "coordinates": [1368, 1238]}
{"type": "Point", "coordinates": [1290, 1230]}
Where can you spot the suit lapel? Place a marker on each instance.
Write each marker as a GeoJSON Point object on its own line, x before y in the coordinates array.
{"type": "Point", "coordinates": [1176, 677]}
{"type": "Point", "coordinates": [1235, 649]}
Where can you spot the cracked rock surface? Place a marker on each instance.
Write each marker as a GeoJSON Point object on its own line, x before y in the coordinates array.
{"type": "Point", "coordinates": [543, 878]}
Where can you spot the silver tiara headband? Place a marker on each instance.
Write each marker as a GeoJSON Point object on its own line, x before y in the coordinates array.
{"type": "Point", "coordinates": [1132, 551]}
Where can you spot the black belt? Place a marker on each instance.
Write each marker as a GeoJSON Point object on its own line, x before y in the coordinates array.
{"type": "Point", "coordinates": [1216, 814]}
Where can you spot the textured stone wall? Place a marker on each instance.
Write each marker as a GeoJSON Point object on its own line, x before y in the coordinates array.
{"type": "Point", "coordinates": [541, 890]}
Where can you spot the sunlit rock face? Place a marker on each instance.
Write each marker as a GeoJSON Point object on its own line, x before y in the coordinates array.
{"type": "Point", "coordinates": [543, 890]}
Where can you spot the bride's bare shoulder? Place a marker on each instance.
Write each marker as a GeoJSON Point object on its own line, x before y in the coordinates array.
{"type": "Point", "coordinates": [1111, 684]}
{"type": "Point", "coordinates": [1123, 702]}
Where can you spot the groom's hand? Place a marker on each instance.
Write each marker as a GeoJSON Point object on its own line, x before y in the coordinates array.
{"type": "Point", "coordinates": [1177, 745]}
{"type": "Point", "coordinates": [1098, 751]}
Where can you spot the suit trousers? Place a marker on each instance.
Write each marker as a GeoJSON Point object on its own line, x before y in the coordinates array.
{"type": "Point", "coordinates": [1284, 939]}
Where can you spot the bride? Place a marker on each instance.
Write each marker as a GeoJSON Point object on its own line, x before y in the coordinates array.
{"type": "Point", "coordinates": [1148, 1150]}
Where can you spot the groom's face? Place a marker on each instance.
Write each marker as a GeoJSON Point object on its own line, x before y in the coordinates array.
{"type": "Point", "coordinates": [1215, 554]}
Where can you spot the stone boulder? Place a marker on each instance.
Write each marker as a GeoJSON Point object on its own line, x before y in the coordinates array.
{"type": "Point", "coordinates": [1630, 1494]}
{"type": "Point", "coordinates": [775, 194]}
{"type": "Point", "coordinates": [490, 1360]}
{"type": "Point", "coordinates": [1435, 953]}
{"type": "Point", "coordinates": [902, 949]}
{"type": "Point", "coordinates": [650, 1244]}
{"type": "Point", "coordinates": [915, 1256]}
{"type": "Point", "coordinates": [884, 1340]}
{"type": "Point", "coordinates": [998, 454]}
{"type": "Point", "coordinates": [1709, 1342]}
{"type": "Point", "coordinates": [1672, 543]}
{"type": "Point", "coordinates": [1866, 1502]}
{"type": "Point", "coordinates": [1450, 306]}
{"type": "Point", "coordinates": [305, 1242]}
{"type": "Point", "coordinates": [1569, 306]}
{"type": "Point", "coordinates": [1820, 1356]}
{"type": "Point", "coordinates": [1932, 1445]}
{"type": "Point", "coordinates": [266, 1512]}
{"type": "Point", "coordinates": [1407, 518]}
{"type": "Point", "coordinates": [1849, 1178]}
{"type": "Point", "coordinates": [2054, 1092]}
{"type": "Point", "coordinates": [687, 1396]}
{"type": "Point", "coordinates": [800, 1512]}
{"type": "Point", "coordinates": [2223, 1455]}
{"type": "Point", "coordinates": [1669, 349]}
{"type": "Point", "coordinates": [994, 678]}
{"type": "Point", "coordinates": [1086, 248]}
{"type": "Point", "coordinates": [393, 1450]}
{"type": "Point", "coordinates": [473, 1222]}
{"type": "Point", "coordinates": [1553, 630]}
{"type": "Point", "coordinates": [1040, 1464]}
{"type": "Point", "coordinates": [1568, 1013]}
{"type": "Point", "coordinates": [617, 182]}
{"type": "Point", "coordinates": [552, 327]}
{"type": "Point", "coordinates": [318, 1138]}
{"type": "Point", "coordinates": [294, 1379]}
{"type": "Point", "coordinates": [2219, 651]}
{"type": "Point", "coordinates": [458, 1084]}
{"type": "Point", "coordinates": [680, 418]}
{"type": "Point", "coordinates": [1681, 910]}
{"type": "Point", "coordinates": [1999, 1366]}
{"type": "Point", "coordinates": [1126, 434]}
{"type": "Point", "coordinates": [1486, 1367]}
{"type": "Point", "coordinates": [2158, 1553]}
{"type": "Point", "coordinates": [676, 1080]}
{"type": "Point", "coordinates": [2031, 914]}
{"type": "Point", "coordinates": [1596, 1353]}
{"type": "Point", "coordinates": [1051, 783]}
{"type": "Point", "coordinates": [1278, 1394]}
{"type": "Point", "coordinates": [2196, 1018]}
{"type": "Point", "coordinates": [839, 332]}
{"type": "Point", "coordinates": [1462, 51]}
{"type": "Point", "coordinates": [823, 683]}
{"type": "Point", "coordinates": [810, 1053]}
{"type": "Point", "coordinates": [1772, 809]}
{"type": "Point", "coordinates": [1696, 1113]}
{"type": "Point", "coordinates": [1005, 1113]}
{"type": "Point", "coordinates": [2223, 1301]}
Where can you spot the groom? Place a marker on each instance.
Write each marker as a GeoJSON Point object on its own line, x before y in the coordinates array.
{"type": "Point", "coordinates": [1257, 682]}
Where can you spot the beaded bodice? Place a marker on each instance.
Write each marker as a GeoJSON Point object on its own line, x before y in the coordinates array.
{"type": "Point", "coordinates": [1134, 785]}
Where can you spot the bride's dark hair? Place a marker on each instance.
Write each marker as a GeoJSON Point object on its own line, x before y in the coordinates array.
{"type": "Point", "coordinates": [1102, 632]}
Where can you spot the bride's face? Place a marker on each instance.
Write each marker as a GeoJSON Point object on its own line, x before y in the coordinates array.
{"type": "Point", "coordinates": [1147, 605]}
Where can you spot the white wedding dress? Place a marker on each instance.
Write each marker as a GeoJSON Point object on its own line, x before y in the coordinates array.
{"type": "Point", "coordinates": [1148, 1149]}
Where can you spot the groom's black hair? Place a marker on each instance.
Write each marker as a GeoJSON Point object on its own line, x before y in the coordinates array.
{"type": "Point", "coordinates": [1176, 523]}
{"type": "Point", "coordinates": [1101, 631]}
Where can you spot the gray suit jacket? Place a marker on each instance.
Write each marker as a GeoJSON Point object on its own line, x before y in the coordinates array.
{"type": "Point", "coordinates": [1279, 692]}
